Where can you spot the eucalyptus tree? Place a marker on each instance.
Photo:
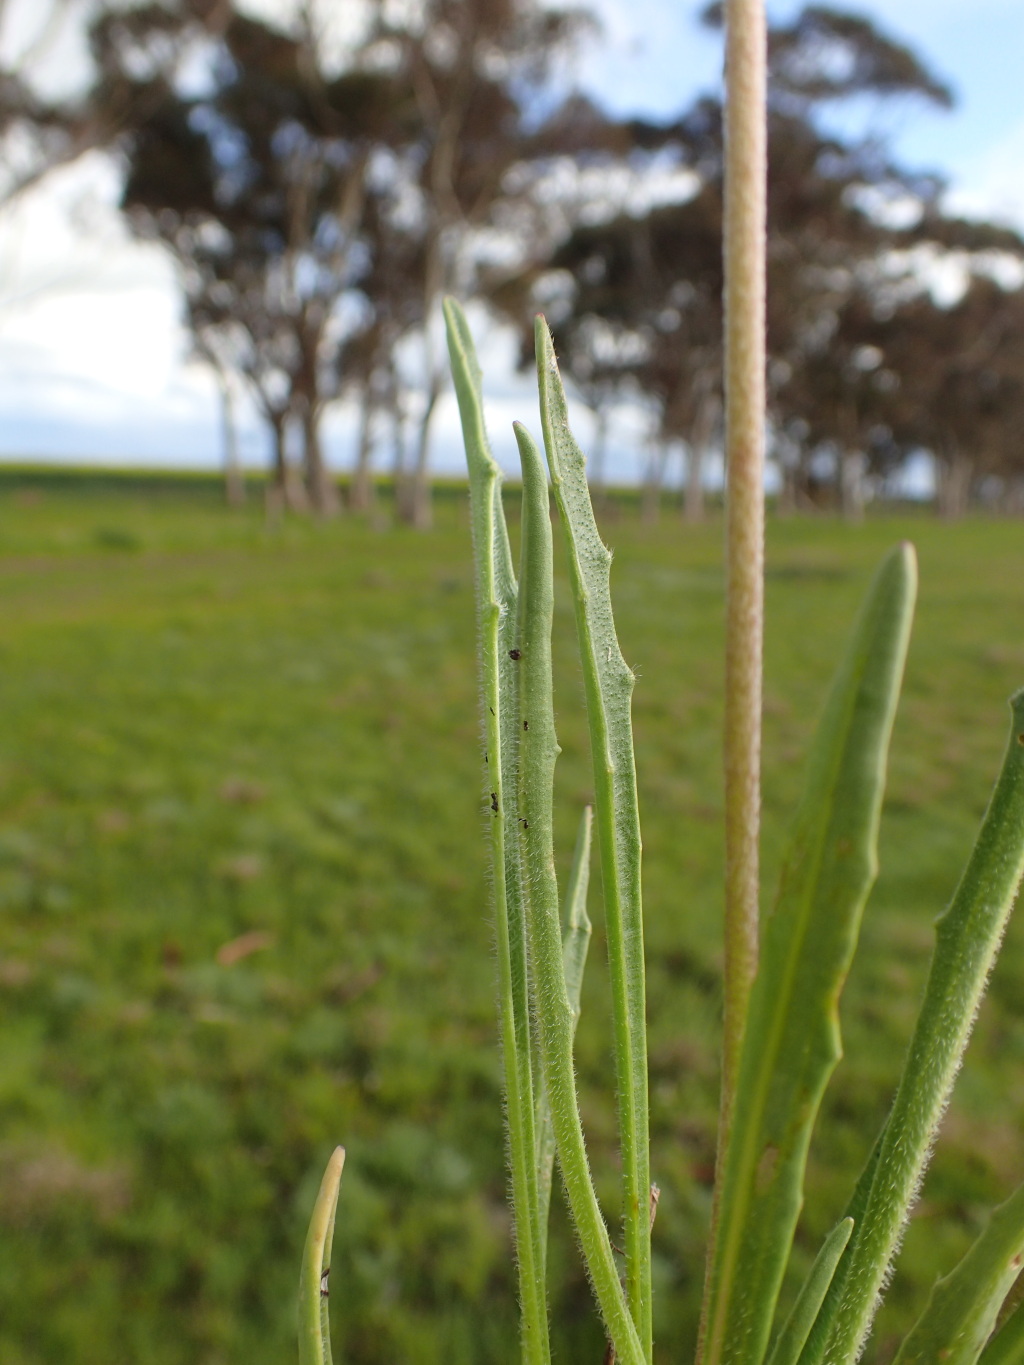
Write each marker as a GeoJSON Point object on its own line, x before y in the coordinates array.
{"type": "Point", "coordinates": [642, 311]}
{"type": "Point", "coordinates": [255, 175]}
{"type": "Point", "coordinates": [834, 220]}
{"type": "Point", "coordinates": [260, 177]}
{"type": "Point", "coordinates": [369, 360]}
{"type": "Point", "coordinates": [646, 316]}
{"type": "Point", "coordinates": [43, 124]}
{"type": "Point", "coordinates": [466, 74]}
{"type": "Point", "coordinates": [960, 360]}
{"type": "Point", "coordinates": [960, 389]}
{"type": "Point", "coordinates": [49, 119]}
{"type": "Point", "coordinates": [907, 365]}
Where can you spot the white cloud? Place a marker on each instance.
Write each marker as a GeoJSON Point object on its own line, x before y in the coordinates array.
{"type": "Point", "coordinates": [993, 184]}
{"type": "Point", "coordinates": [79, 297]}
{"type": "Point", "coordinates": [45, 40]}
{"type": "Point", "coordinates": [91, 349]}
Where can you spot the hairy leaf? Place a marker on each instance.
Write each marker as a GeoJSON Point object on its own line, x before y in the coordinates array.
{"type": "Point", "coordinates": [608, 683]}
{"type": "Point", "coordinates": [497, 596]}
{"type": "Point", "coordinates": [791, 1041]}
{"type": "Point", "coordinates": [555, 1016]}
{"type": "Point", "coordinates": [800, 1321]}
{"type": "Point", "coordinates": [968, 935]}
{"type": "Point", "coordinates": [964, 1304]}
{"type": "Point", "coordinates": [575, 945]}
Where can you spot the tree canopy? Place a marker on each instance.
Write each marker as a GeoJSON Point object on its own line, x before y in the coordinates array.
{"type": "Point", "coordinates": [319, 198]}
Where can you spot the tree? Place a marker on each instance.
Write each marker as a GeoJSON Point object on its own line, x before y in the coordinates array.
{"type": "Point", "coordinates": [656, 286]}
{"type": "Point", "coordinates": [278, 184]}
{"type": "Point", "coordinates": [959, 390]}
{"type": "Point", "coordinates": [828, 230]}
{"type": "Point", "coordinates": [469, 70]}
{"type": "Point", "coordinates": [646, 287]}
{"type": "Point", "coordinates": [257, 183]}
{"type": "Point", "coordinates": [39, 132]}
{"type": "Point", "coordinates": [369, 363]}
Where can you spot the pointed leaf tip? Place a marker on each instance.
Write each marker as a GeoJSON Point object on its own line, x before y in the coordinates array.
{"type": "Point", "coordinates": [314, 1321]}
{"type": "Point", "coordinates": [791, 1042]}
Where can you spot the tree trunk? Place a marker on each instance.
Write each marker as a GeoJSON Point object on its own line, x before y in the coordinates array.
{"type": "Point", "coordinates": [954, 473]}
{"type": "Point", "coordinates": [285, 489]}
{"type": "Point", "coordinates": [700, 439]}
{"type": "Point", "coordinates": [234, 480]}
{"type": "Point", "coordinates": [415, 507]}
{"type": "Point", "coordinates": [361, 492]}
{"type": "Point", "coordinates": [322, 490]}
{"type": "Point", "coordinates": [852, 474]}
{"type": "Point", "coordinates": [277, 484]}
{"type": "Point", "coordinates": [693, 502]}
{"type": "Point", "coordinates": [788, 502]}
{"type": "Point", "coordinates": [650, 506]}
{"type": "Point", "coordinates": [399, 459]}
{"type": "Point", "coordinates": [702, 403]}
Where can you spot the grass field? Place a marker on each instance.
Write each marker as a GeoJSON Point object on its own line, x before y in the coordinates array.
{"type": "Point", "coordinates": [244, 915]}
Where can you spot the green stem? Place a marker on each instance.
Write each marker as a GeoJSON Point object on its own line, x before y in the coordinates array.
{"type": "Point", "coordinates": [575, 946]}
{"type": "Point", "coordinates": [497, 592]}
{"type": "Point", "coordinates": [537, 754]}
{"type": "Point", "coordinates": [608, 684]}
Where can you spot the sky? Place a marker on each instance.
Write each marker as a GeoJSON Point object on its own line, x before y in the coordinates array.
{"type": "Point", "coordinates": [94, 363]}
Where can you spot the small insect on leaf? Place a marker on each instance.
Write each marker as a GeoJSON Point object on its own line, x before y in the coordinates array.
{"type": "Point", "coordinates": [494, 802]}
{"type": "Point", "coordinates": [515, 654]}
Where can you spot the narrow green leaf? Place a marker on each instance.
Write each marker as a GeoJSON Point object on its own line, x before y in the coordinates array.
{"type": "Point", "coordinates": [814, 1351]}
{"type": "Point", "coordinates": [575, 945]}
{"type": "Point", "coordinates": [968, 935]}
{"type": "Point", "coordinates": [798, 1325]}
{"type": "Point", "coordinates": [490, 534]}
{"type": "Point", "coordinates": [791, 1042]}
{"type": "Point", "coordinates": [314, 1319]}
{"type": "Point", "coordinates": [964, 1305]}
{"type": "Point", "coordinates": [608, 683]}
{"type": "Point", "coordinates": [1007, 1346]}
{"type": "Point", "coordinates": [555, 1016]}
{"type": "Point", "coordinates": [496, 596]}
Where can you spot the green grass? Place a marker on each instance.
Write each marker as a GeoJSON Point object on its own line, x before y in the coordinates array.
{"type": "Point", "coordinates": [210, 729]}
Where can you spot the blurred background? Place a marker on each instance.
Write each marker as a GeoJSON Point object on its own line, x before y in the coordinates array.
{"type": "Point", "coordinates": [226, 229]}
{"type": "Point", "coordinates": [243, 899]}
